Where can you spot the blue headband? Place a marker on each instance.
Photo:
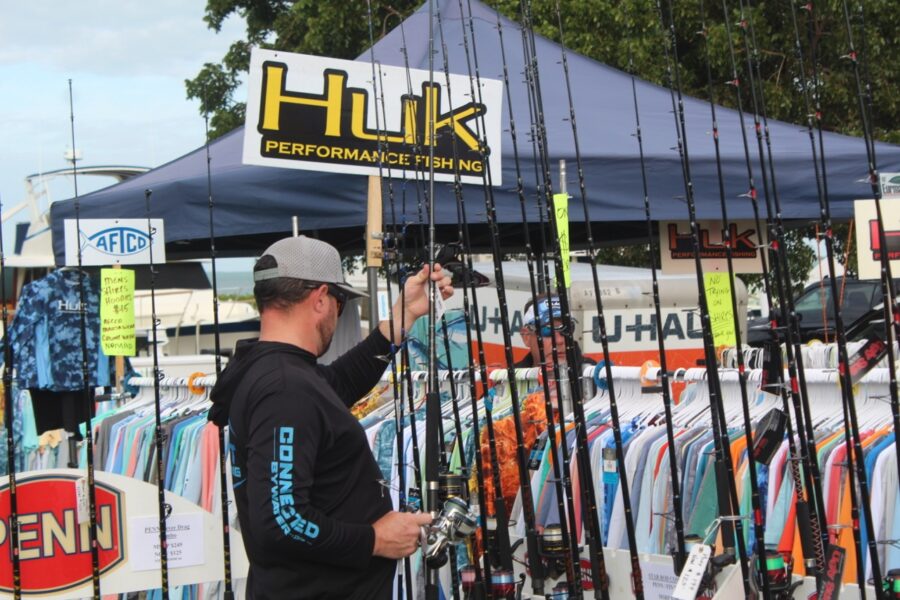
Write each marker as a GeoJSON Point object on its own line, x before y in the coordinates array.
{"type": "Point", "coordinates": [544, 312]}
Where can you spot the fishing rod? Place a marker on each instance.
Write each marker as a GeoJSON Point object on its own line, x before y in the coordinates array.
{"type": "Point", "coordinates": [498, 565]}
{"type": "Point", "coordinates": [817, 527]}
{"type": "Point", "coordinates": [448, 483]}
{"type": "Point", "coordinates": [85, 378]}
{"type": "Point", "coordinates": [759, 529]}
{"type": "Point", "coordinates": [432, 395]}
{"type": "Point", "coordinates": [817, 522]}
{"type": "Point", "coordinates": [891, 313]}
{"type": "Point", "coordinates": [391, 241]}
{"type": "Point", "coordinates": [814, 122]}
{"type": "Point", "coordinates": [887, 285]}
{"type": "Point", "coordinates": [679, 554]}
{"type": "Point", "coordinates": [444, 326]}
{"type": "Point", "coordinates": [477, 585]}
{"type": "Point", "coordinates": [561, 479]}
{"type": "Point", "coordinates": [9, 416]}
{"type": "Point", "coordinates": [412, 502]}
{"type": "Point", "coordinates": [223, 475]}
{"type": "Point", "coordinates": [163, 507]}
{"type": "Point", "coordinates": [443, 464]}
{"type": "Point", "coordinates": [500, 553]}
{"type": "Point", "coordinates": [727, 493]}
{"type": "Point", "coordinates": [496, 554]}
{"type": "Point", "coordinates": [590, 511]}
{"type": "Point", "coordinates": [637, 585]}
{"type": "Point", "coordinates": [531, 535]}
{"type": "Point", "coordinates": [445, 467]}
{"type": "Point", "coordinates": [813, 551]}
{"type": "Point", "coordinates": [527, 501]}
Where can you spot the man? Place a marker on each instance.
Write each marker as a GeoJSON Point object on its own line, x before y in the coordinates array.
{"type": "Point", "coordinates": [315, 518]}
{"type": "Point", "coordinates": [546, 315]}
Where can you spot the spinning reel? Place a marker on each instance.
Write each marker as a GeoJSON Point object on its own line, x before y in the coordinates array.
{"type": "Point", "coordinates": [453, 525]}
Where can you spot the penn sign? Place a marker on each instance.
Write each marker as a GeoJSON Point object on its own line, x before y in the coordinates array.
{"type": "Point", "coordinates": [54, 549]}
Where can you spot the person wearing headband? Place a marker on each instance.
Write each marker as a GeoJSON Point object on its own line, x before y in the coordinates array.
{"type": "Point", "coordinates": [543, 324]}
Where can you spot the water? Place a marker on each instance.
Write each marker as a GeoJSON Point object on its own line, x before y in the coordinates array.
{"type": "Point", "coordinates": [232, 282]}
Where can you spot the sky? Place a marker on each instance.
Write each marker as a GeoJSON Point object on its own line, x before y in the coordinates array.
{"type": "Point", "coordinates": [127, 61]}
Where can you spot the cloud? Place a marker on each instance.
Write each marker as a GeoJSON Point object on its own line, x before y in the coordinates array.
{"type": "Point", "coordinates": [128, 62]}
{"type": "Point", "coordinates": [163, 37]}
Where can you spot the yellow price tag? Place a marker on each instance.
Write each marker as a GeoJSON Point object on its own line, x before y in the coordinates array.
{"type": "Point", "coordinates": [717, 287]}
{"type": "Point", "coordinates": [561, 209]}
{"type": "Point", "coordinates": [117, 312]}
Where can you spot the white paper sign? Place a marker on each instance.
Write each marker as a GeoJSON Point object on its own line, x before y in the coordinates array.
{"type": "Point", "coordinates": [184, 540]}
{"type": "Point", "coordinates": [325, 114]}
{"type": "Point", "coordinates": [106, 242]}
{"type": "Point", "coordinates": [659, 580]}
{"type": "Point", "coordinates": [384, 308]}
{"type": "Point", "coordinates": [692, 573]}
{"type": "Point", "coordinates": [82, 502]}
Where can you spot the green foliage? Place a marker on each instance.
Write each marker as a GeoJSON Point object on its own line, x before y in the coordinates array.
{"type": "Point", "coordinates": [337, 29]}
{"type": "Point", "coordinates": [627, 256]}
{"type": "Point", "coordinates": [801, 258]}
{"type": "Point", "coordinates": [625, 34]}
{"type": "Point", "coordinates": [616, 32]}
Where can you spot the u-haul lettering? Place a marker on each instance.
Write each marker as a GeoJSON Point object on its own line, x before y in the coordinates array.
{"type": "Point", "coordinates": [632, 329]}
{"type": "Point", "coordinates": [628, 309]}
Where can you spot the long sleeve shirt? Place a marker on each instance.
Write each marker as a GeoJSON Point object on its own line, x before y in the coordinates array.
{"type": "Point", "coordinates": [306, 485]}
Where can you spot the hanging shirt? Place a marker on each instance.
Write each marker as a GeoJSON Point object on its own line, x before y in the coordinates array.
{"type": "Point", "coordinates": [46, 333]}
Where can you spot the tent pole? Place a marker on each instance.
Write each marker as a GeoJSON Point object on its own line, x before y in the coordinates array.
{"type": "Point", "coordinates": [373, 245]}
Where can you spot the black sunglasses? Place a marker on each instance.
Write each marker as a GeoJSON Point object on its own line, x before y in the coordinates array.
{"type": "Point", "coordinates": [338, 294]}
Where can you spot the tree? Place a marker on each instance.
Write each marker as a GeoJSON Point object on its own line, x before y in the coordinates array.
{"type": "Point", "coordinates": [625, 34]}
{"type": "Point", "coordinates": [337, 29]}
{"type": "Point", "coordinates": [612, 32]}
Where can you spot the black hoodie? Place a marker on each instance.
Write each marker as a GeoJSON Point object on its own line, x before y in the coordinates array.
{"type": "Point", "coordinates": [305, 482]}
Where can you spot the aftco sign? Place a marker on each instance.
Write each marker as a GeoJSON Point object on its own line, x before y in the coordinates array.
{"type": "Point", "coordinates": [115, 241]}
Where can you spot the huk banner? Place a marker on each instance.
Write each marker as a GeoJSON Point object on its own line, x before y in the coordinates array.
{"type": "Point", "coordinates": [869, 248]}
{"type": "Point", "coordinates": [325, 114]}
{"type": "Point", "coordinates": [677, 247]}
{"type": "Point", "coordinates": [107, 242]}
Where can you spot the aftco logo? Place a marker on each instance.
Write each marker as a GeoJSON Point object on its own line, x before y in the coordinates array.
{"type": "Point", "coordinates": [122, 241]}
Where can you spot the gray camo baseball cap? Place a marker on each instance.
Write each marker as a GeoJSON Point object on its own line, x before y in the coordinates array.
{"type": "Point", "coordinates": [308, 259]}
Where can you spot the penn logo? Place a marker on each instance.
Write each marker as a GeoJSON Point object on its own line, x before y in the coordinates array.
{"type": "Point", "coordinates": [121, 241]}
{"type": "Point", "coordinates": [54, 549]}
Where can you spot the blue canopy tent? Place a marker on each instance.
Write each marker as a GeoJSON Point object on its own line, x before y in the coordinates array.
{"type": "Point", "coordinates": [254, 205]}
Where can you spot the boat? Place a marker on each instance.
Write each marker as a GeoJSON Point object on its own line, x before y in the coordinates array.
{"type": "Point", "coordinates": [182, 291]}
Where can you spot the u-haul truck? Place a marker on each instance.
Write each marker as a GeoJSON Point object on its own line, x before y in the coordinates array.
{"type": "Point", "coordinates": [627, 304]}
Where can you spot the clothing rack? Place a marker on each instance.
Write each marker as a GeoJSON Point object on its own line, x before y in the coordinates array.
{"type": "Point", "coordinates": [637, 389]}
{"type": "Point", "coordinates": [814, 355]}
